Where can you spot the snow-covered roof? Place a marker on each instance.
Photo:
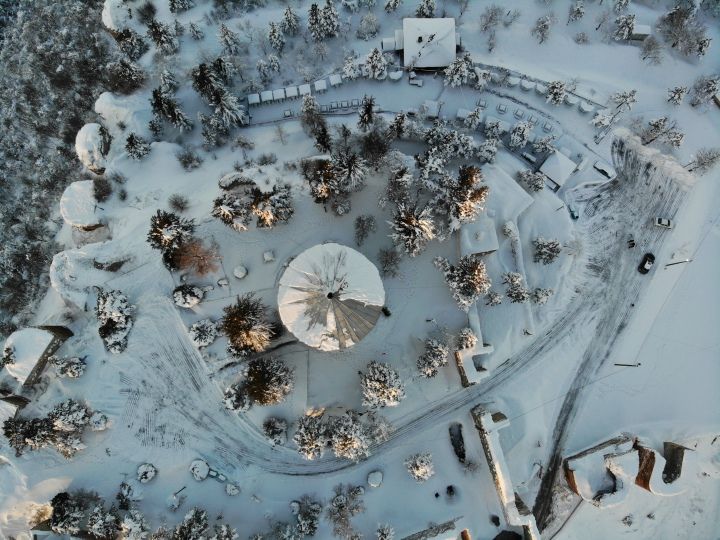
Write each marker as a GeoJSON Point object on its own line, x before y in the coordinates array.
{"type": "Point", "coordinates": [429, 42]}
{"type": "Point", "coordinates": [91, 146]}
{"type": "Point", "coordinates": [479, 236]}
{"type": "Point", "coordinates": [641, 31]}
{"type": "Point", "coordinates": [558, 167]}
{"type": "Point", "coordinates": [28, 344]}
{"type": "Point", "coordinates": [432, 108]}
{"type": "Point", "coordinates": [78, 206]}
{"type": "Point", "coordinates": [330, 296]}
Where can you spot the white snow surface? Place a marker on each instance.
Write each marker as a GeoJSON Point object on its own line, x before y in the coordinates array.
{"type": "Point", "coordinates": [322, 270]}
{"type": "Point", "coordinates": [78, 206]}
{"type": "Point", "coordinates": [90, 148]}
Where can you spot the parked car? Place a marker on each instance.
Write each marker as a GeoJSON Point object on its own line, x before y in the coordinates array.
{"type": "Point", "coordinates": [606, 170]}
{"type": "Point", "coordinates": [664, 223]}
{"type": "Point", "coordinates": [573, 213]}
{"type": "Point", "coordinates": [647, 263]}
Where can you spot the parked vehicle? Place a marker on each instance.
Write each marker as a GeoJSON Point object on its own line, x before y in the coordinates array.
{"type": "Point", "coordinates": [606, 170]}
{"type": "Point", "coordinates": [573, 213]}
{"type": "Point", "coordinates": [664, 223]}
{"type": "Point", "coordinates": [647, 263]}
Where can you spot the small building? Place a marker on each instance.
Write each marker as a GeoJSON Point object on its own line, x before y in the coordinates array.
{"type": "Point", "coordinates": [431, 108]}
{"type": "Point", "coordinates": [30, 348]}
{"type": "Point", "coordinates": [558, 168]}
{"type": "Point", "coordinates": [640, 32]}
{"type": "Point", "coordinates": [428, 43]}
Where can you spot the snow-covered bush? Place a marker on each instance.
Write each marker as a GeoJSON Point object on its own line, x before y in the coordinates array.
{"type": "Point", "coordinates": [466, 339]}
{"type": "Point", "coordinates": [134, 526]}
{"type": "Point", "coordinates": [275, 429]}
{"type": "Point", "coordinates": [344, 505]}
{"type": "Point", "coordinates": [468, 279]}
{"type": "Point", "coordinates": [187, 296]}
{"type": "Point", "coordinates": [146, 472]}
{"type": "Point", "coordinates": [420, 466]}
{"type": "Point", "coordinates": [70, 367]}
{"type": "Point", "coordinates": [381, 386]}
{"type": "Point", "coordinates": [546, 251]}
{"type": "Point", "coordinates": [385, 532]}
{"type": "Point", "coordinates": [310, 436]}
{"type": "Point", "coordinates": [102, 523]}
{"type": "Point", "coordinates": [516, 290]}
{"type": "Point", "coordinates": [535, 181]}
{"type": "Point", "coordinates": [199, 469]}
{"type": "Point", "coordinates": [434, 357]}
{"type": "Point", "coordinates": [203, 333]}
{"type": "Point", "coordinates": [348, 436]}
{"type": "Point", "coordinates": [246, 326]}
{"type": "Point", "coordinates": [114, 319]}
{"type": "Point", "coordinates": [540, 296]}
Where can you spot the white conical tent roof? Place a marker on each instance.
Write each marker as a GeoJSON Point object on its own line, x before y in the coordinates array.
{"type": "Point", "coordinates": [330, 297]}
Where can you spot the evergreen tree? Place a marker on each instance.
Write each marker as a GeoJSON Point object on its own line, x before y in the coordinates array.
{"type": "Point", "coordinates": [314, 23]}
{"type": "Point", "coordinates": [193, 526]}
{"type": "Point", "coordinates": [542, 27]}
{"type": "Point", "coordinates": [165, 106]}
{"type": "Point", "coordinates": [163, 37]}
{"type": "Point", "coordinates": [385, 531]}
{"type": "Point", "coordinates": [376, 64]}
{"type": "Point", "coordinates": [516, 290]}
{"type": "Point", "coordinates": [168, 232]}
{"type": "Point", "coordinates": [196, 32]}
{"type": "Point", "coordinates": [577, 11]}
{"type": "Point", "coordinates": [290, 23]}
{"type": "Point", "coordinates": [329, 22]}
{"type": "Point", "coordinates": [544, 145]}
{"type": "Point", "coordinates": [487, 150]}
{"type": "Point", "coordinates": [168, 82]}
{"type": "Point", "coordinates": [624, 100]}
{"type": "Point", "coordinates": [124, 76]}
{"type": "Point", "coordinates": [269, 380]}
{"type": "Point", "coordinates": [276, 38]}
{"type": "Point", "coordinates": [246, 327]}
{"type": "Point", "coordinates": [310, 436]}
{"type": "Point", "coordinates": [474, 119]}
{"type": "Point", "coordinates": [546, 251]}
{"type": "Point", "coordinates": [103, 523]}
{"type": "Point", "coordinates": [396, 129]}
{"type": "Point", "coordinates": [176, 6]}
{"type": "Point", "coordinates": [468, 279]}
{"type": "Point", "coordinates": [624, 27]}
{"type": "Point", "coordinates": [459, 71]}
{"type": "Point", "coordinates": [67, 513]}
{"type": "Point", "coordinates": [134, 526]}
{"type": "Point", "coordinates": [704, 89]}
{"type": "Point", "coordinates": [136, 147]}
{"type": "Point", "coordinates": [351, 169]}
{"type": "Point", "coordinates": [323, 141]}
{"type": "Point", "coordinates": [114, 314]}
{"type": "Point", "coordinates": [392, 5]}
{"type": "Point", "coordinates": [381, 386]}
{"type": "Point", "coordinates": [535, 181]}
{"type": "Point", "coordinates": [434, 357]}
{"type": "Point", "coordinates": [412, 228]}
{"type": "Point", "coordinates": [556, 92]}
{"type": "Point", "coordinates": [348, 437]}
{"type": "Point", "coordinates": [366, 113]}
{"type": "Point", "coordinates": [519, 134]}
{"type": "Point", "coordinates": [540, 296]}
{"type": "Point", "coordinates": [420, 466]}
{"type": "Point", "coordinates": [229, 40]}
{"type": "Point", "coordinates": [425, 9]}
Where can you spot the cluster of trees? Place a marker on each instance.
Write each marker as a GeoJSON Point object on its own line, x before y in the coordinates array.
{"type": "Point", "coordinates": [237, 207]}
{"type": "Point", "coordinates": [114, 315]}
{"type": "Point", "coordinates": [61, 429]}
{"type": "Point", "coordinates": [348, 435]}
{"type": "Point", "coordinates": [433, 358]}
{"type": "Point", "coordinates": [173, 236]}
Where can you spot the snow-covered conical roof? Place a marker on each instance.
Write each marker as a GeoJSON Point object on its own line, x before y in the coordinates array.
{"type": "Point", "coordinates": [330, 297]}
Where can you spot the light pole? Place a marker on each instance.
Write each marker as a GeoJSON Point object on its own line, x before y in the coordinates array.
{"type": "Point", "coordinates": [679, 262]}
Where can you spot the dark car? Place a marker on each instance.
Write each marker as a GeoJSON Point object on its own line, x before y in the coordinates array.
{"type": "Point", "coordinates": [647, 263]}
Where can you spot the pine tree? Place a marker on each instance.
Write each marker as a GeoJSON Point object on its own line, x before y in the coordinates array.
{"type": "Point", "coordinates": [385, 531]}
{"type": "Point", "coordinates": [163, 37]}
{"type": "Point", "coordinates": [474, 119]}
{"type": "Point", "coordinates": [348, 437]}
{"type": "Point", "coordinates": [124, 76]}
{"type": "Point", "coordinates": [366, 113]}
{"type": "Point", "coordinates": [420, 466]}
{"type": "Point", "coordinates": [203, 333]}
{"type": "Point", "coordinates": [131, 44]}
{"type": "Point", "coordinates": [704, 89]}
{"type": "Point", "coordinates": [620, 6]}
{"type": "Point", "coordinates": [542, 27]}
{"type": "Point", "coordinates": [196, 32]}
{"type": "Point", "coordinates": [392, 5]}
{"type": "Point", "coordinates": [310, 437]}
{"type": "Point", "coordinates": [314, 23]}
{"type": "Point", "coordinates": [310, 117]}
{"type": "Point", "coordinates": [165, 106]}
{"type": "Point", "coordinates": [329, 20]}
{"type": "Point", "coordinates": [546, 251]}
{"type": "Point", "coordinates": [176, 6]}
{"type": "Point", "coordinates": [68, 367]}
{"type": "Point", "coordinates": [350, 70]}
{"type": "Point", "coordinates": [229, 40]}
{"type": "Point", "coordinates": [376, 64]}
{"type": "Point", "coordinates": [381, 386]}
{"type": "Point", "coordinates": [624, 27]}
{"type": "Point", "coordinates": [705, 160]}
{"type": "Point", "coordinates": [487, 150]}
{"type": "Point", "coordinates": [425, 9]}
{"type": "Point", "coordinates": [544, 145]}
{"type": "Point", "coordinates": [168, 82]}
{"type": "Point", "coordinates": [323, 141]}
{"type": "Point", "coordinates": [134, 526]}
{"type": "Point", "coordinates": [114, 314]}
{"type": "Point", "coordinates": [412, 228]}
{"type": "Point", "coordinates": [464, 196]}
{"type": "Point", "coordinates": [459, 71]}
{"type": "Point", "coordinates": [516, 291]}
{"type": "Point", "coordinates": [351, 169]}
{"type": "Point", "coordinates": [228, 109]}
{"type": "Point", "coordinates": [519, 134]}
{"type": "Point", "coordinates": [269, 380]}
{"type": "Point", "coordinates": [468, 279]}
{"type": "Point", "coordinates": [67, 513]}
{"type": "Point", "coordinates": [493, 298]}
{"type": "Point", "coordinates": [136, 147]}
{"type": "Point", "coordinates": [275, 429]}
{"type": "Point", "coordinates": [540, 296]}
{"type": "Point", "coordinates": [246, 327]}
{"type": "Point", "coordinates": [434, 357]}
{"type": "Point", "coordinates": [193, 526]}
{"type": "Point", "coordinates": [205, 82]}
{"type": "Point", "coordinates": [168, 232]}
{"type": "Point", "coordinates": [276, 38]}
{"type": "Point", "coordinates": [535, 181]}
{"type": "Point", "coordinates": [556, 92]}
{"type": "Point", "coordinates": [290, 24]}
{"type": "Point", "coordinates": [577, 11]}
{"type": "Point", "coordinates": [103, 523]}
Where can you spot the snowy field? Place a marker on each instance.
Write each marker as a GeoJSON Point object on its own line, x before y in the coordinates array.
{"type": "Point", "coordinates": [593, 350]}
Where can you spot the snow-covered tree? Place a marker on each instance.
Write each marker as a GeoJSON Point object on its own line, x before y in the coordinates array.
{"type": "Point", "coordinates": [625, 100]}
{"type": "Point", "coordinates": [662, 129]}
{"type": "Point", "coordinates": [290, 24]}
{"type": "Point", "coordinates": [392, 5]}
{"type": "Point", "coordinates": [203, 333]}
{"type": "Point", "coordinates": [310, 436]}
{"type": "Point", "coordinates": [544, 144]}
{"type": "Point", "coordinates": [67, 513]}
{"type": "Point", "coordinates": [163, 36]}
{"type": "Point", "coordinates": [308, 515]}
{"type": "Point", "coordinates": [368, 27]}
{"type": "Point", "coordinates": [493, 298]}
{"type": "Point", "coordinates": [677, 94]}
{"type": "Point", "coordinates": [519, 134]}
{"type": "Point", "coordinates": [229, 40]}
{"type": "Point", "coordinates": [619, 6]}
{"type": "Point", "coordinates": [350, 70]}
{"type": "Point", "coordinates": [468, 279]}
{"type": "Point", "coordinates": [276, 38]}
{"type": "Point", "coordinates": [176, 6]}
{"type": "Point", "coordinates": [364, 225]}
{"type": "Point", "coordinates": [68, 367]}
{"type": "Point", "coordinates": [466, 339]}
{"type": "Point", "coordinates": [682, 28]}
{"type": "Point", "coordinates": [269, 380]}
{"type": "Point", "coordinates": [420, 466]}
{"type": "Point", "coordinates": [366, 113]}
{"type": "Point", "coordinates": [602, 119]}
{"type": "Point", "coordinates": [194, 526]}
{"type": "Point", "coordinates": [344, 505]}
{"type": "Point", "coordinates": [704, 89]}
{"type": "Point", "coordinates": [464, 197]}
{"type": "Point", "coordinates": [546, 251]}
{"type": "Point", "coordinates": [459, 71]}
{"type": "Point", "coordinates": [474, 119]}
{"type": "Point", "coordinates": [348, 437]}
{"type": "Point", "coordinates": [168, 232]}
{"type": "Point", "coordinates": [246, 326]}
{"type": "Point", "coordinates": [381, 386]}
{"type": "Point", "coordinates": [124, 76]}
{"type": "Point", "coordinates": [103, 523]}
{"type": "Point", "coordinates": [196, 32]}
{"type": "Point", "coordinates": [8, 356]}
{"type": "Point", "coordinates": [376, 64]}
{"type": "Point", "coordinates": [542, 27]}
{"type": "Point", "coordinates": [433, 358]}
{"type": "Point", "coordinates": [165, 106]}
{"type": "Point", "coordinates": [556, 92]}
{"type": "Point", "coordinates": [228, 109]}
{"type": "Point", "coordinates": [516, 290]}
{"type": "Point", "coordinates": [487, 150]}
{"type": "Point", "coordinates": [425, 9]}
{"type": "Point", "coordinates": [535, 181]}
{"type": "Point", "coordinates": [314, 22]}
{"type": "Point", "coordinates": [624, 27]}
{"type": "Point", "coordinates": [114, 314]}
{"type": "Point", "coordinates": [236, 398]}
{"type": "Point", "coordinates": [705, 160]}
{"type": "Point", "coordinates": [187, 295]}
{"type": "Point", "coordinates": [389, 261]}
{"type": "Point", "coordinates": [385, 532]}
{"type": "Point", "coordinates": [136, 147]}
{"type": "Point", "coordinates": [275, 429]}
{"type": "Point", "coordinates": [398, 187]}
{"type": "Point", "coordinates": [540, 296]}
{"type": "Point", "coordinates": [329, 21]}
{"type": "Point", "coordinates": [577, 11]}
{"type": "Point", "coordinates": [412, 228]}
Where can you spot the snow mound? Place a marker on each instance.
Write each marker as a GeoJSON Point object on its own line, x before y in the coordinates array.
{"type": "Point", "coordinates": [132, 111]}
{"type": "Point", "coordinates": [330, 297]}
{"type": "Point", "coordinates": [78, 206]}
{"type": "Point", "coordinates": [92, 144]}
{"type": "Point", "coordinates": [146, 472]}
{"type": "Point", "coordinates": [115, 15]}
{"type": "Point", "coordinates": [199, 469]}
{"type": "Point", "coordinates": [188, 296]}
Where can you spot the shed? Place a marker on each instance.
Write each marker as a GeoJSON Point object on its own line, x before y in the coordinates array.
{"type": "Point", "coordinates": [432, 108]}
{"type": "Point", "coordinates": [429, 43]}
{"type": "Point", "coordinates": [541, 89]}
{"type": "Point", "coordinates": [388, 44]}
{"type": "Point", "coordinates": [304, 89]}
{"type": "Point", "coordinates": [31, 348]}
{"type": "Point", "coordinates": [291, 92]}
{"type": "Point", "coordinates": [527, 85]}
{"type": "Point", "coordinates": [640, 32]}
{"type": "Point", "coordinates": [321, 85]}
{"type": "Point", "coordinates": [585, 107]}
{"type": "Point", "coordinates": [558, 168]}
{"type": "Point", "coordinates": [512, 81]}
{"type": "Point", "coordinates": [335, 79]}
{"type": "Point", "coordinates": [279, 94]}
{"type": "Point", "coordinates": [266, 96]}
{"type": "Point", "coordinates": [253, 99]}
{"type": "Point", "coordinates": [479, 237]}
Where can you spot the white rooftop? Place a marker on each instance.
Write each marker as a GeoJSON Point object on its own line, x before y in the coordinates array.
{"type": "Point", "coordinates": [429, 42]}
{"type": "Point", "coordinates": [558, 167]}
{"type": "Point", "coordinates": [28, 345]}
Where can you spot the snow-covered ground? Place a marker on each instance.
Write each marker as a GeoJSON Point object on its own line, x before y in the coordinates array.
{"type": "Point", "coordinates": [553, 371]}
